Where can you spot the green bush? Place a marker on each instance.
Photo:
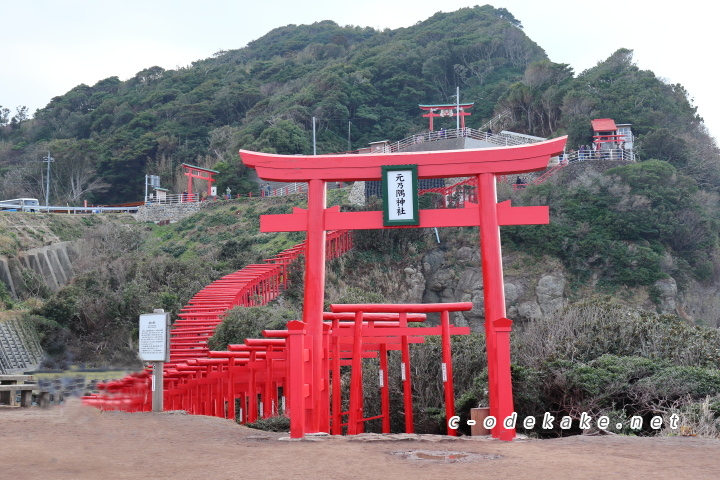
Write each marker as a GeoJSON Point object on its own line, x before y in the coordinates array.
{"type": "Point", "coordinates": [670, 384]}
{"type": "Point", "coordinates": [249, 322]}
{"type": "Point", "coordinates": [279, 423]}
{"type": "Point", "coordinates": [619, 225]}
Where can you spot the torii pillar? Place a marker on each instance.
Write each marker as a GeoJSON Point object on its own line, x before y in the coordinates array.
{"type": "Point", "coordinates": [485, 164]}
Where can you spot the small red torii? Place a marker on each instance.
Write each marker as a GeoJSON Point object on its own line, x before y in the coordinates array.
{"type": "Point", "coordinates": [317, 219]}
{"type": "Point", "coordinates": [192, 171]}
{"type": "Point", "coordinates": [447, 110]}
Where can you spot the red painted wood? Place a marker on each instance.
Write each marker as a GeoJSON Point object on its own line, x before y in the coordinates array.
{"type": "Point", "coordinates": [438, 164]}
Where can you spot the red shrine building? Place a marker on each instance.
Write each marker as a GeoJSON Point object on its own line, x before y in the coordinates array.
{"type": "Point", "coordinates": [609, 136]}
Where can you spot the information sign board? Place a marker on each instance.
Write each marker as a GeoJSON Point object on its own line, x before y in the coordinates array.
{"type": "Point", "coordinates": [154, 337]}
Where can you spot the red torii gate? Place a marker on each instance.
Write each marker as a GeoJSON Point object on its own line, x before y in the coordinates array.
{"type": "Point", "coordinates": [447, 110]}
{"type": "Point", "coordinates": [489, 215]}
{"type": "Point", "coordinates": [192, 171]}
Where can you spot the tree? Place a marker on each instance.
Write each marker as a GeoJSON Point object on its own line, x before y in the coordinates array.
{"type": "Point", "coordinates": [20, 116]}
{"type": "Point", "coordinates": [74, 168]}
{"type": "Point", "coordinates": [4, 116]}
{"type": "Point", "coordinates": [286, 138]}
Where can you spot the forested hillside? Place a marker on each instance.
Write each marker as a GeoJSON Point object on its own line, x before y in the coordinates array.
{"type": "Point", "coordinates": [631, 225]}
{"type": "Point", "coordinates": [362, 85]}
{"type": "Point", "coordinates": [105, 137]}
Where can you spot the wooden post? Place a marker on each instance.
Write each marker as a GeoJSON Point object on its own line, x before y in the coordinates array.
{"type": "Point", "coordinates": [384, 388]}
{"type": "Point", "coordinates": [478, 415]}
{"type": "Point", "coordinates": [355, 415]}
{"type": "Point", "coordinates": [405, 375]}
{"type": "Point", "coordinates": [157, 386]}
{"type": "Point", "coordinates": [314, 302]}
{"type": "Point", "coordinates": [447, 372]}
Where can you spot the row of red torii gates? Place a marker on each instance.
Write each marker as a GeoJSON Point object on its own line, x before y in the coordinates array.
{"type": "Point", "coordinates": [309, 396]}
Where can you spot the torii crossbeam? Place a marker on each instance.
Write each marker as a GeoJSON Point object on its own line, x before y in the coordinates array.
{"type": "Point", "coordinates": [485, 164]}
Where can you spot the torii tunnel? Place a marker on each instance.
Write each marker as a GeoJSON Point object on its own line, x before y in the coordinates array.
{"type": "Point", "coordinates": [484, 164]}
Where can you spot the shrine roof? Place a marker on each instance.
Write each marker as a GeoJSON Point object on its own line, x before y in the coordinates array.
{"type": "Point", "coordinates": [446, 105]}
{"type": "Point", "coordinates": [195, 167]}
{"type": "Point", "coordinates": [603, 125]}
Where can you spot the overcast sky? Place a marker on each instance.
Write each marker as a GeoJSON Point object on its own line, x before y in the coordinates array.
{"type": "Point", "coordinates": [50, 46]}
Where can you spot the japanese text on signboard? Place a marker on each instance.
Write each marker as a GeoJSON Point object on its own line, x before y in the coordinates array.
{"type": "Point", "coordinates": [400, 195]}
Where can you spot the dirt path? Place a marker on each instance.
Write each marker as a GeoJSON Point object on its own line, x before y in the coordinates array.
{"type": "Point", "coordinates": [77, 442]}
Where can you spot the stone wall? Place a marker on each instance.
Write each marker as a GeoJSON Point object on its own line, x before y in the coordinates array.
{"type": "Point", "coordinates": [173, 212]}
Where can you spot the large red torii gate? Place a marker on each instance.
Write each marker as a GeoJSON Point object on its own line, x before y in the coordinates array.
{"type": "Point", "coordinates": [489, 215]}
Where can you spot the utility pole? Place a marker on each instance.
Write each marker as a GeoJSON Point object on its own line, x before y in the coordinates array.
{"type": "Point", "coordinates": [314, 141]}
{"type": "Point", "coordinates": [48, 159]}
{"type": "Point", "coordinates": [457, 110]}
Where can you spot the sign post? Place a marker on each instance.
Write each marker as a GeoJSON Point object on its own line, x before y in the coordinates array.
{"type": "Point", "coordinates": [154, 347]}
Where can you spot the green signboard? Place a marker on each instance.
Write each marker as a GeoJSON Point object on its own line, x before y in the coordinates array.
{"type": "Point", "coordinates": [400, 195]}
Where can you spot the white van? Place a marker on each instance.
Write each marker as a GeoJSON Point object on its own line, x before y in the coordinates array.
{"type": "Point", "coordinates": [20, 205]}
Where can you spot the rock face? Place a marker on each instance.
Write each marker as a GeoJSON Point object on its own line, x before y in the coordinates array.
{"type": "Point", "coordinates": [455, 276]}
{"type": "Point", "coordinates": [697, 302]}
{"type": "Point", "coordinates": [447, 275]}
{"type": "Point", "coordinates": [667, 294]}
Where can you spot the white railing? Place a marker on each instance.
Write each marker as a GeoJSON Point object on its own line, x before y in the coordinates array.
{"type": "Point", "coordinates": [173, 198]}
{"type": "Point", "coordinates": [619, 154]}
{"type": "Point", "coordinates": [502, 139]}
{"type": "Point", "coordinates": [287, 189]}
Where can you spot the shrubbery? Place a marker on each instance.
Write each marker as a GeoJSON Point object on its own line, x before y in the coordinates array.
{"type": "Point", "coordinates": [620, 224]}
{"type": "Point", "coordinates": [249, 322]}
{"type": "Point", "coordinates": [593, 357]}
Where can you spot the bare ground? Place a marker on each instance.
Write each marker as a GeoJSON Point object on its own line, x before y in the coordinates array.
{"type": "Point", "coordinates": [77, 442]}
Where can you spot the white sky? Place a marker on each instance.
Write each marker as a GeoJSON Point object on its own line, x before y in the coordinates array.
{"type": "Point", "coordinates": [50, 46]}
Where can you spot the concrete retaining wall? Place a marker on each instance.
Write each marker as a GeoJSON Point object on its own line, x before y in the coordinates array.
{"type": "Point", "coordinates": [52, 264]}
{"type": "Point", "coordinates": [159, 213]}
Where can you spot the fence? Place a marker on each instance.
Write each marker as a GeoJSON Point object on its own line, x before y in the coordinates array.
{"type": "Point", "coordinates": [501, 139]}
{"type": "Point", "coordinates": [263, 377]}
{"type": "Point", "coordinates": [251, 286]}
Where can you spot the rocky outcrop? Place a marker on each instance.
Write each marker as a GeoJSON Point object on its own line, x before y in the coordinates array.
{"type": "Point", "coordinates": [455, 276]}
{"type": "Point", "coordinates": [696, 302]}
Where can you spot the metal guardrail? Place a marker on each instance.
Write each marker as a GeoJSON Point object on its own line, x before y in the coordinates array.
{"type": "Point", "coordinates": [173, 199]}
{"type": "Point", "coordinates": [81, 210]}
{"type": "Point", "coordinates": [501, 139]}
{"type": "Point", "coordinates": [620, 154]}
